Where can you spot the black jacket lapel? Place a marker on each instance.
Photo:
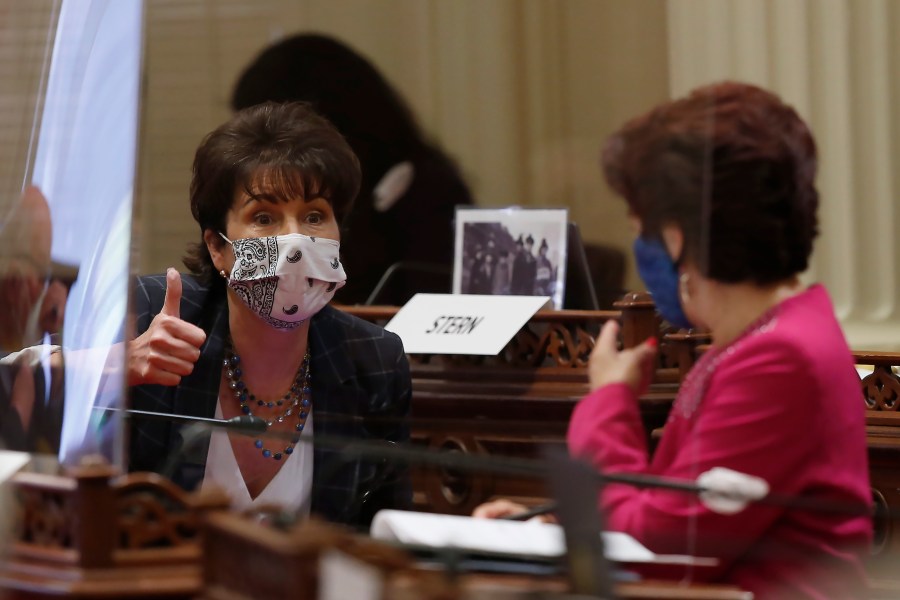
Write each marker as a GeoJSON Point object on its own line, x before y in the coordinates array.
{"type": "Point", "coordinates": [337, 400]}
{"type": "Point", "coordinates": [198, 393]}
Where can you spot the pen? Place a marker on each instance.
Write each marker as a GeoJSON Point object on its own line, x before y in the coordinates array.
{"type": "Point", "coordinates": [540, 509]}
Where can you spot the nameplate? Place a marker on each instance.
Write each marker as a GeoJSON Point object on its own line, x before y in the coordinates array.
{"type": "Point", "coordinates": [462, 323]}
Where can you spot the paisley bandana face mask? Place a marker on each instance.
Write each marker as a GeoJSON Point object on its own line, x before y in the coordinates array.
{"type": "Point", "coordinates": [286, 279]}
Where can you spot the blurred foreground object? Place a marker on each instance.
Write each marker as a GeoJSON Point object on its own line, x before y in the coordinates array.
{"type": "Point", "coordinates": [88, 533]}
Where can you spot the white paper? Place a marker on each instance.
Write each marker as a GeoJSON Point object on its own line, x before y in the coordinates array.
{"type": "Point", "coordinates": [462, 323]}
{"type": "Point", "coordinates": [11, 462]}
{"type": "Point", "coordinates": [530, 538]}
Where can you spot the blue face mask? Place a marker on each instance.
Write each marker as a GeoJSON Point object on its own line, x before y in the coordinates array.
{"type": "Point", "coordinates": [660, 275]}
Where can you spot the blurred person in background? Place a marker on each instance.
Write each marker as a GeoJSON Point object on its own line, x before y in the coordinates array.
{"type": "Point", "coordinates": [409, 187]}
{"type": "Point", "coordinates": [25, 239]}
{"type": "Point", "coordinates": [32, 306]}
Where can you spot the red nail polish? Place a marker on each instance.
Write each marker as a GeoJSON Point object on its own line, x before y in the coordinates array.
{"type": "Point", "coordinates": [651, 341]}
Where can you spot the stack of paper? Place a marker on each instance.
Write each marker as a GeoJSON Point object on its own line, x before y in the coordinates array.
{"type": "Point", "coordinates": [529, 538]}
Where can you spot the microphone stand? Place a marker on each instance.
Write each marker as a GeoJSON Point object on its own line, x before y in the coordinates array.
{"type": "Point", "coordinates": [242, 424]}
{"type": "Point", "coordinates": [388, 451]}
{"type": "Point", "coordinates": [355, 449]}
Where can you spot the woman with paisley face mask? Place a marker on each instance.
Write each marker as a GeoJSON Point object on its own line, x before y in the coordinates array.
{"type": "Point", "coordinates": [250, 330]}
{"type": "Point", "coordinates": [720, 188]}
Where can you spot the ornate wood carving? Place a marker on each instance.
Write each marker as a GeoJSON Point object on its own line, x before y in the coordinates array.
{"type": "Point", "coordinates": [44, 518]}
{"type": "Point", "coordinates": [92, 535]}
{"type": "Point", "coordinates": [154, 513]}
{"type": "Point", "coordinates": [881, 389]}
{"type": "Point", "coordinates": [448, 490]}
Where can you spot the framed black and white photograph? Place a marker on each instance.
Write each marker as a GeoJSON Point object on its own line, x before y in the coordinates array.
{"type": "Point", "coordinates": [511, 251]}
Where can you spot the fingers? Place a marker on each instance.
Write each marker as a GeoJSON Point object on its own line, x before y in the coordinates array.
{"type": "Point", "coordinates": [175, 348]}
{"type": "Point", "coordinates": [544, 519]}
{"type": "Point", "coordinates": [170, 347]}
{"type": "Point", "coordinates": [171, 364]}
{"type": "Point", "coordinates": [179, 330]}
{"type": "Point", "coordinates": [645, 352]}
{"type": "Point", "coordinates": [158, 358]}
{"type": "Point", "coordinates": [153, 376]}
{"type": "Point", "coordinates": [498, 508]}
{"type": "Point", "coordinates": [608, 365]}
{"type": "Point", "coordinates": [645, 355]}
{"type": "Point", "coordinates": [172, 304]}
{"type": "Point", "coordinates": [608, 335]}
{"type": "Point", "coordinates": [606, 343]}
{"type": "Point", "coordinates": [641, 357]}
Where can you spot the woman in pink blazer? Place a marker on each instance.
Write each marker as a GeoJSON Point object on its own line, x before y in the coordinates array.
{"type": "Point", "coordinates": [720, 189]}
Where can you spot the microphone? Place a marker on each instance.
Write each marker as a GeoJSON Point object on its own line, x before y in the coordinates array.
{"type": "Point", "coordinates": [722, 490]}
{"type": "Point", "coordinates": [248, 425]}
{"type": "Point", "coordinates": [242, 424]}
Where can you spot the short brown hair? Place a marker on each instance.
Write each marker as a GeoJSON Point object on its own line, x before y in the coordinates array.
{"type": "Point", "coordinates": [734, 167]}
{"type": "Point", "coordinates": [298, 152]}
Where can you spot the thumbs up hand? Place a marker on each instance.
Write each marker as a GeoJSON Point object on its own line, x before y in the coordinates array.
{"type": "Point", "coordinates": [170, 347]}
{"type": "Point", "coordinates": [633, 366]}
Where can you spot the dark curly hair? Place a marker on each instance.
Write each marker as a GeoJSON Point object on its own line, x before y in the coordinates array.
{"type": "Point", "coordinates": [293, 150]}
{"type": "Point", "coordinates": [734, 167]}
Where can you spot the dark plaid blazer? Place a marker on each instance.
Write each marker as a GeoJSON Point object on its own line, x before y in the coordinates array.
{"type": "Point", "coordinates": [358, 370]}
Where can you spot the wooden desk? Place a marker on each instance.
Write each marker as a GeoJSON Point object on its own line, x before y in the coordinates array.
{"type": "Point", "coordinates": [513, 587]}
{"type": "Point", "coordinates": [243, 562]}
{"type": "Point", "coordinates": [94, 536]}
{"type": "Point", "coordinates": [91, 534]}
{"type": "Point", "coordinates": [510, 404]}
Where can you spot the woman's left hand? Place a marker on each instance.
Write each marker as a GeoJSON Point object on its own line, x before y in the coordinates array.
{"type": "Point", "coordinates": [608, 364]}
{"type": "Point", "coordinates": [502, 508]}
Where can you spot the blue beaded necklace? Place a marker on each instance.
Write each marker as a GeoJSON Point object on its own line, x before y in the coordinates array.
{"type": "Point", "coordinates": [297, 399]}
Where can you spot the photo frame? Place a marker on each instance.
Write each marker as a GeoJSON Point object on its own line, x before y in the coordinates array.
{"type": "Point", "coordinates": [511, 251]}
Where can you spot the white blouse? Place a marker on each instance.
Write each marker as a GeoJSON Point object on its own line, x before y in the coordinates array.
{"type": "Point", "coordinates": [290, 488]}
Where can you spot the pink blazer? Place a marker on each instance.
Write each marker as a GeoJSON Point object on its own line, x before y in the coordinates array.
{"type": "Point", "coordinates": [783, 403]}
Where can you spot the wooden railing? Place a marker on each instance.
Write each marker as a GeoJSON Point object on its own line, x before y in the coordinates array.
{"type": "Point", "coordinates": [91, 534]}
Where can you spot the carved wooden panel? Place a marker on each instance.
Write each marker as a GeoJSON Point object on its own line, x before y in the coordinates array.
{"type": "Point", "coordinates": [91, 536]}
{"type": "Point", "coordinates": [154, 513]}
{"type": "Point", "coordinates": [881, 389]}
{"type": "Point", "coordinates": [44, 518]}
